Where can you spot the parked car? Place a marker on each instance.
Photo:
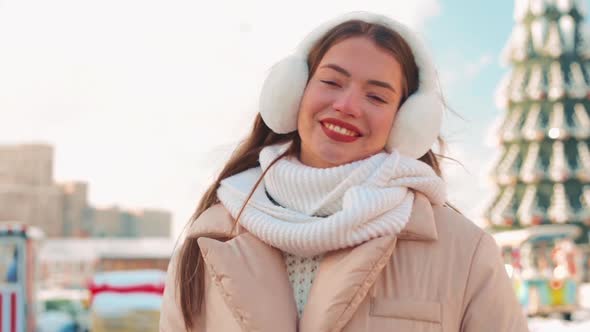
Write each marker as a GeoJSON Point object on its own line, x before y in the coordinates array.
{"type": "Point", "coordinates": [71, 302]}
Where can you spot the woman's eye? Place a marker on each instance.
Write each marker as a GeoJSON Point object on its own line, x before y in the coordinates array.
{"type": "Point", "coordinates": [332, 83]}
{"type": "Point", "coordinates": [378, 99]}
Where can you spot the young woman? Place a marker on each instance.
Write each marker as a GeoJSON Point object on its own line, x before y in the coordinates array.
{"type": "Point", "coordinates": [331, 215]}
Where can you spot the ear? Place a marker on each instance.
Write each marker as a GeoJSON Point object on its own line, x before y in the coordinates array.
{"type": "Point", "coordinates": [416, 125]}
{"type": "Point", "coordinates": [282, 92]}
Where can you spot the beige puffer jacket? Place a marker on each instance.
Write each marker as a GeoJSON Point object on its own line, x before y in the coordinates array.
{"type": "Point", "coordinates": [442, 273]}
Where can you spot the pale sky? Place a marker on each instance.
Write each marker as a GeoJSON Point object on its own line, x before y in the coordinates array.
{"type": "Point", "coordinates": [145, 99]}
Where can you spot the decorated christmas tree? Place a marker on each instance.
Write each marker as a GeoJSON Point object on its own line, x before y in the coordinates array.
{"type": "Point", "coordinates": [543, 171]}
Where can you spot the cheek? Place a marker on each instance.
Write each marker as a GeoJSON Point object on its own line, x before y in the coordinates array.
{"type": "Point", "coordinates": [311, 104]}
{"type": "Point", "coordinates": [304, 112]}
{"type": "Point", "coordinates": [381, 125]}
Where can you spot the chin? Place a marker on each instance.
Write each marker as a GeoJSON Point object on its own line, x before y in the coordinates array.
{"type": "Point", "coordinates": [338, 156]}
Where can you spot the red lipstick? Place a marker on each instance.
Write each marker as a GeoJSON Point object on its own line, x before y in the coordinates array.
{"type": "Point", "coordinates": [339, 136]}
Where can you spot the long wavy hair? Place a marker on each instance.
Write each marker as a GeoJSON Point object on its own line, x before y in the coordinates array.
{"type": "Point", "coordinates": [189, 265]}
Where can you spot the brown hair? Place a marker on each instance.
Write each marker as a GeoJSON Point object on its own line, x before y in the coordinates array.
{"type": "Point", "coordinates": [190, 277]}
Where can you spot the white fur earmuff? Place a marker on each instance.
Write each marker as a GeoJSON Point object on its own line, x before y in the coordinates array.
{"type": "Point", "coordinates": [418, 121]}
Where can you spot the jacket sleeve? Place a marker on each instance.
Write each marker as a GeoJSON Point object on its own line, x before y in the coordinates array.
{"type": "Point", "coordinates": [171, 319]}
{"type": "Point", "coordinates": [490, 301]}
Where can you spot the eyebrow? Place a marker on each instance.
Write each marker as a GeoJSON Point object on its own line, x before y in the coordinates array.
{"type": "Point", "coordinates": [347, 74]}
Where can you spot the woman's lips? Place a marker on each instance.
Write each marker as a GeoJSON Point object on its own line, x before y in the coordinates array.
{"type": "Point", "coordinates": [340, 131]}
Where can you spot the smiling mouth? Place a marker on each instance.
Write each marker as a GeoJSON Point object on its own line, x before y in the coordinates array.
{"type": "Point", "coordinates": [340, 130]}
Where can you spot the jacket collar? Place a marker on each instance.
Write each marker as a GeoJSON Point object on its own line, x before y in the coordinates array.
{"type": "Point", "coordinates": [252, 279]}
{"type": "Point", "coordinates": [244, 268]}
{"type": "Point", "coordinates": [215, 222]}
{"type": "Point", "coordinates": [345, 277]}
{"type": "Point", "coordinates": [421, 225]}
{"type": "Point", "coordinates": [342, 282]}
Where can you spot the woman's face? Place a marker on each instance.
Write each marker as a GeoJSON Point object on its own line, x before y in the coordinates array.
{"type": "Point", "coordinates": [349, 104]}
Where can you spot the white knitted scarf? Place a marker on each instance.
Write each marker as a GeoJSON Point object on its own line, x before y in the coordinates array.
{"type": "Point", "coordinates": [318, 210]}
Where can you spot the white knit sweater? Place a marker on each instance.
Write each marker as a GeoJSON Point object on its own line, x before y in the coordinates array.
{"type": "Point", "coordinates": [302, 271]}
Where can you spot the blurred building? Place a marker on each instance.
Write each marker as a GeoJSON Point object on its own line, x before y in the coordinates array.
{"type": "Point", "coordinates": [67, 263]}
{"type": "Point", "coordinates": [70, 263]}
{"type": "Point", "coordinates": [76, 211]}
{"type": "Point", "coordinates": [27, 190]}
{"type": "Point", "coordinates": [106, 221]}
{"type": "Point", "coordinates": [28, 193]}
{"type": "Point", "coordinates": [112, 221]}
{"type": "Point", "coordinates": [136, 254]}
{"type": "Point", "coordinates": [26, 165]}
{"type": "Point", "coordinates": [152, 223]}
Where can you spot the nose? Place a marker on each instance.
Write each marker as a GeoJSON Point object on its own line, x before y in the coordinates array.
{"type": "Point", "coordinates": [348, 103]}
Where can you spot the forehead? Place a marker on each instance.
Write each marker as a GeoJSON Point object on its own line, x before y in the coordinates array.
{"type": "Point", "coordinates": [362, 58]}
